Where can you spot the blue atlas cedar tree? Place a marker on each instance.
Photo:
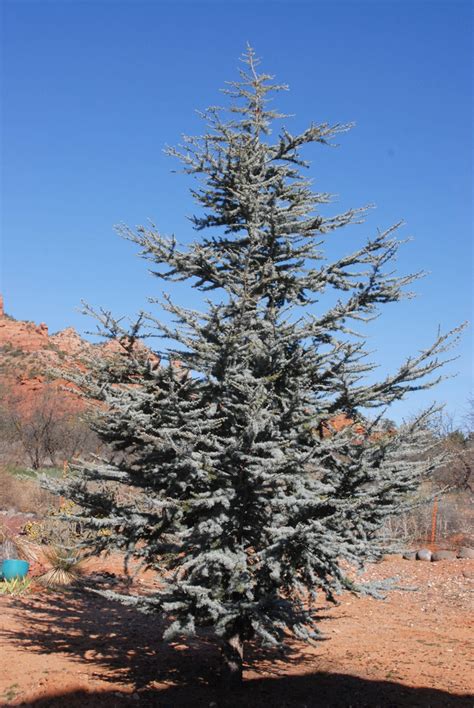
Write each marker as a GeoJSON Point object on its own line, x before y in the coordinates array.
{"type": "Point", "coordinates": [219, 476]}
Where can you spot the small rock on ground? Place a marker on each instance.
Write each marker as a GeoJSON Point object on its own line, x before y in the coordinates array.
{"type": "Point", "coordinates": [465, 552]}
{"type": "Point", "coordinates": [443, 555]}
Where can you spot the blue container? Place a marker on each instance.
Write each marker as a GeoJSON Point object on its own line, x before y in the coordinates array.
{"type": "Point", "coordinates": [14, 568]}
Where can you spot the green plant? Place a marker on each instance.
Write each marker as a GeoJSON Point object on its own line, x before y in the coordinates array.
{"type": "Point", "coordinates": [16, 586]}
{"type": "Point", "coordinates": [11, 692]}
{"type": "Point", "coordinates": [29, 473]}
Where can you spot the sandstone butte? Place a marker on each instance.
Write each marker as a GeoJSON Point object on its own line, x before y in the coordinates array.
{"type": "Point", "coordinates": [28, 353]}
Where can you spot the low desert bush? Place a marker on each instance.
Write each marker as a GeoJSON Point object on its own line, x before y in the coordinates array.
{"type": "Point", "coordinates": [23, 493]}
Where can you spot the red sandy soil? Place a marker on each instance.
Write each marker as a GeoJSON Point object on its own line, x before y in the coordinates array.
{"type": "Point", "coordinates": [76, 649]}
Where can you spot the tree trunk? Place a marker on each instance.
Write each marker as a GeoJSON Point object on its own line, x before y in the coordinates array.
{"type": "Point", "coordinates": [233, 653]}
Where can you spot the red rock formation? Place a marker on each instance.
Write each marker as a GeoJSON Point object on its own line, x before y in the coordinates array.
{"type": "Point", "coordinates": [68, 340]}
{"type": "Point", "coordinates": [29, 357]}
{"type": "Point", "coordinates": [338, 423]}
{"type": "Point", "coordinates": [29, 354]}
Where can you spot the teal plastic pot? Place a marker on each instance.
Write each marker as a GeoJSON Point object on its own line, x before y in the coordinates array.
{"type": "Point", "coordinates": [14, 568]}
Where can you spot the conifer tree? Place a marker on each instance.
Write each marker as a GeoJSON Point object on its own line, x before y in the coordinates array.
{"type": "Point", "coordinates": [228, 473]}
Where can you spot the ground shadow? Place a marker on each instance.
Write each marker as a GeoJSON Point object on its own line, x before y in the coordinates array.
{"type": "Point", "coordinates": [317, 690]}
{"type": "Point", "coordinates": [125, 647]}
{"type": "Point", "coordinates": [123, 644]}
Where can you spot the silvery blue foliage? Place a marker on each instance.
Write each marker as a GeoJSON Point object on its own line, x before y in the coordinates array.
{"type": "Point", "coordinates": [228, 474]}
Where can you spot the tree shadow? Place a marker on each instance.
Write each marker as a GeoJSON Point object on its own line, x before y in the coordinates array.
{"type": "Point", "coordinates": [126, 647]}
{"type": "Point", "coordinates": [319, 690]}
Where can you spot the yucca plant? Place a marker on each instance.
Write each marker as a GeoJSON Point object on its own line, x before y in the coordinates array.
{"type": "Point", "coordinates": [66, 567]}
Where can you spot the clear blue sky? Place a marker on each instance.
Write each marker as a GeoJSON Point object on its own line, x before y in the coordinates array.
{"type": "Point", "coordinates": [92, 92]}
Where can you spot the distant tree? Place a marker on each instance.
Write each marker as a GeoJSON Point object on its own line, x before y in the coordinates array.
{"type": "Point", "coordinates": [469, 417]}
{"type": "Point", "coordinates": [231, 489]}
{"type": "Point", "coordinates": [458, 442]}
{"type": "Point", "coordinates": [47, 427]}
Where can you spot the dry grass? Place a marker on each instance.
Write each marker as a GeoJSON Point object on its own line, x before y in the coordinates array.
{"type": "Point", "coordinates": [24, 495]}
{"type": "Point", "coordinates": [12, 546]}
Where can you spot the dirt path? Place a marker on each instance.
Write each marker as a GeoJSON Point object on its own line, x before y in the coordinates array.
{"type": "Point", "coordinates": [413, 649]}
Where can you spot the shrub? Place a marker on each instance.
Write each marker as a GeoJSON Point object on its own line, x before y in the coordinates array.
{"type": "Point", "coordinates": [24, 494]}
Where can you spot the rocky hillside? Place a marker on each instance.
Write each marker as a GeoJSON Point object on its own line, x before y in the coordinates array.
{"type": "Point", "coordinates": [28, 354]}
